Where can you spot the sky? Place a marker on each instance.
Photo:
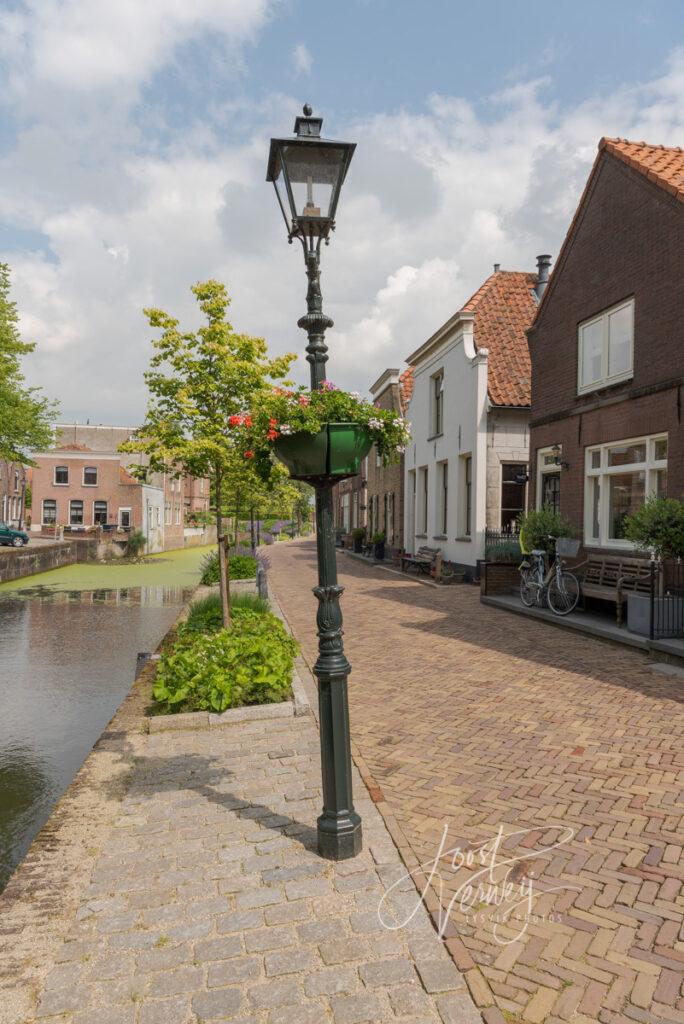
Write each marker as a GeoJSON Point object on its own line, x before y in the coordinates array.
{"type": "Point", "coordinates": [133, 146]}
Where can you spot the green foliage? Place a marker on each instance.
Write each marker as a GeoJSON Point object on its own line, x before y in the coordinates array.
{"type": "Point", "coordinates": [242, 567]}
{"type": "Point", "coordinates": [379, 537]}
{"type": "Point", "coordinates": [250, 663]}
{"type": "Point", "coordinates": [503, 551]}
{"type": "Point", "coordinates": [280, 411]}
{"type": "Point", "coordinates": [658, 526]}
{"type": "Point", "coordinates": [358, 533]}
{"type": "Point", "coordinates": [135, 544]}
{"type": "Point", "coordinates": [28, 497]}
{"type": "Point", "coordinates": [26, 416]}
{"type": "Point", "coordinates": [537, 525]}
{"type": "Point", "coordinates": [204, 615]}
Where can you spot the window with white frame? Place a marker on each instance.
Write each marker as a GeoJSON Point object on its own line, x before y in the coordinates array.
{"type": "Point", "coordinates": [76, 512]}
{"type": "Point", "coordinates": [178, 515]}
{"type": "Point", "coordinates": [442, 497]}
{"type": "Point", "coordinates": [125, 518]}
{"type": "Point", "coordinates": [90, 476]}
{"type": "Point", "coordinates": [422, 498]}
{"type": "Point", "coordinates": [606, 347]}
{"type": "Point", "coordinates": [167, 513]}
{"type": "Point", "coordinates": [346, 512]}
{"type": "Point", "coordinates": [620, 476]}
{"type": "Point", "coordinates": [16, 480]}
{"type": "Point", "coordinates": [49, 517]}
{"type": "Point", "coordinates": [436, 403]}
{"type": "Point", "coordinates": [549, 478]}
{"type": "Point", "coordinates": [61, 475]}
{"type": "Point", "coordinates": [99, 513]}
{"type": "Point", "coordinates": [465, 510]}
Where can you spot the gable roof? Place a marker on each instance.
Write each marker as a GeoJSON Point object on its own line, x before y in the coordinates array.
{"type": "Point", "coordinates": [504, 307]}
{"type": "Point", "coordinates": [406, 387]}
{"type": "Point", "coordinates": [662, 165]}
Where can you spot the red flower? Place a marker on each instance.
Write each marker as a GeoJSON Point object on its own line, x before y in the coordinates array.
{"type": "Point", "coordinates": [272, 423]}
{"type": "Point", "coordinates": [247, 420]}
{"type": "Point", "coordinates": [235, 421]}
{"type": "Point", "coordinates": [249, 455]}
{"type": "Point", "coordinates": [303, 400]}
{"type": "Point", "coordinates": [271, 435]}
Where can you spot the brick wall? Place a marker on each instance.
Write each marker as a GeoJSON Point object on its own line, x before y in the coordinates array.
{"type": "Point", "coordinates": [387, 480]}
{"type": "Point", "coordinates": [628, 241]}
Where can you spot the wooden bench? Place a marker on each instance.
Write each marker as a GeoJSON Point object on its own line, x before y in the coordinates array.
{"type": "Point", "coordinates": [422, 561]}
{"type": "Point", "coordinates": [609, 577]}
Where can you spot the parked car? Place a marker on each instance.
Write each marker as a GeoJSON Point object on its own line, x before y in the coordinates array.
{"type": "Point", "coordinates": [8, 535]}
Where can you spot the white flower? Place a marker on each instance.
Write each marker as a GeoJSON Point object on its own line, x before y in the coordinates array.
{"type": "Point", "coordinates": [401, 449]}
{"type": "Point", "coordinates": [375, 424]}
{"type": "Point", "coordinates": [355, 395]}
{"type": "Point", "coordinates": [285, 428]}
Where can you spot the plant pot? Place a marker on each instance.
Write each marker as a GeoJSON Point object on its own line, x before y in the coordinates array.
{"type": "Point", "coordinates": [332, 454]}
{"type": "Point", "coordinates": [358, 545]}
{"type": "Point", "coordinates": [668, 610]}
{"type": "Point", "coordinates": [379, 551]}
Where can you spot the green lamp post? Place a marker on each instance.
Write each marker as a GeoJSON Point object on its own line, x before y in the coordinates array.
{"type": "Point", "coordinates": [307, 172]}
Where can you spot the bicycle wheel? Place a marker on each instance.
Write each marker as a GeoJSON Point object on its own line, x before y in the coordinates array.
{"type": "Point", "coordinates": [528, 588]}
{"type": "Point", "coordinates": [563, 593]}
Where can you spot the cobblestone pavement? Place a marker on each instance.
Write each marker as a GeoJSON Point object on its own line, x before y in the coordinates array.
{"type": "Point", "coordinates": [471, 716]}
{"type": "Point", "coordinates": [208, 902]}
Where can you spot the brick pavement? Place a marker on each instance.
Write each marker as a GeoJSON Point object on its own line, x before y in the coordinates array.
{"type": "Point", "coordinates": [207, 901]}
{"type": "Point", "coordinates": [468, 715]}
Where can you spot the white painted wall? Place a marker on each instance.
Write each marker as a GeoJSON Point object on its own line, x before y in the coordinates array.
{"type": "Point", "coordinates": [153, 517]}
{"type": "Point", "coordinates": [508, 440]}
{"type": "Point", "coordinates": [464, 432]}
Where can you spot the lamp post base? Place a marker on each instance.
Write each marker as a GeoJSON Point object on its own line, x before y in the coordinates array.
{"type": "Point", "coordinates": [339, 838]}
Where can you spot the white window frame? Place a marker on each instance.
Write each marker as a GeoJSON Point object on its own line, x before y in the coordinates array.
{"type": "Point", "coordinates": [651, 466]}
{"type": "Point", "coordinates": [604, 380]}
{"type": "Point", "coordinates": [97, 476]}
{"type": "Point", "coordinates": [101, 501]}
{"type": "Point", "coordinates": [43, 520]}
{"type": "Point", "coordinates": [423, 504]}
{"type": "Point", "coordinates": [120, 518]}
{"type": "Point", "coordinates": [442, 499]}
{"type": "Point", "coordinates": [545, 467]}
{"type": "Point", "coordinates": [436, 404]}
{"type": "Point", "coordinates": [465, 510]}
{"type": "Point", "coordinates": [60, 483]}
{"type": "Point", "coordinates": [77, 501]}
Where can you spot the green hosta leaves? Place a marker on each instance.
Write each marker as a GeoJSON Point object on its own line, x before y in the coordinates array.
{"type": "Point", "coordinates": [250, 663]}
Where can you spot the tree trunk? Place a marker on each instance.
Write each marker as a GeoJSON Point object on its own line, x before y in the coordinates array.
{"type": "Point", "coordinates": [224, 585]}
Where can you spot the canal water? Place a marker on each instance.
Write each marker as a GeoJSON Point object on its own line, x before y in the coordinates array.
{"type": "Point", "coordinates": [69, 639]}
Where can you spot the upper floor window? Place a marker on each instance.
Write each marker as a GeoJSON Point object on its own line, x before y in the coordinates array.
{"type": "Point", "coordinates": [16, 480]}
{"type": "Point", "coordinates": [606, 347]}
{"type": "Point", "coordinates": [61, 474]}
{"type": "Point", "coordinates": [436, 403]}
{"type": "Point", "coordinates": [90, 476]}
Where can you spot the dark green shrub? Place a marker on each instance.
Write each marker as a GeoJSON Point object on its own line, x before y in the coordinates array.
{"type": "Point", "coordinates": [658, 526]}
{"type": "Point", "coordinates": [358, 533]}
{"type": "Point", "coordinates": [537, 525]}
{"type": "Point", "coordinates": [250, 663]}
{"type": "Point", "coordinates": [135, 544]}
{"type": "Point", "coordinates": [242, 567]}
{"type": "Point", "coordinates": [378, 538]}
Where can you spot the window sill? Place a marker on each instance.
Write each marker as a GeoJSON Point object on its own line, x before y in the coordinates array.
{"type": "Point", "coordinates": [433, 437]}
{"type": "Point", "coordinates": [60, 485]}
{"type": "Point", "coordinates": [463, 540]}
{"type": "Point", "coordinates": [439, 536]}
{"type": "Point", "coordinates": [89, 485]}
{"type": "Point", "coordinates": [421, 536]}
{"type": "Point", "coordinates": [603, 385]}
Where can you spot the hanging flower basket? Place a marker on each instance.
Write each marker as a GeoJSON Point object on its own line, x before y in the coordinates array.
{"type": "Point", "coordinates": [335, 451]}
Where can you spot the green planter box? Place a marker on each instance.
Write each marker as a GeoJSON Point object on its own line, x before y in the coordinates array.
{"type": "Point", "coordinates": [334, 453]}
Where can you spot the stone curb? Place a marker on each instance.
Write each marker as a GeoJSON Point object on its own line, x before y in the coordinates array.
{"type": "Point", "coordinates": [299, 705]}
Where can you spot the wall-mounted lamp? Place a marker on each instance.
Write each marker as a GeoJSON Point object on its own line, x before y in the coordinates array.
{"type": "Point", "coordinates": [557, 452]}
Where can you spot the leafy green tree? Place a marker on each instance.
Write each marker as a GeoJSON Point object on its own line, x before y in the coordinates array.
{"type": "Point", "coordinates": [197, 381]}
{"type": "Point", "coordinates": [26, 415]}
{"type": "Point", "coordinates": [658, 527]}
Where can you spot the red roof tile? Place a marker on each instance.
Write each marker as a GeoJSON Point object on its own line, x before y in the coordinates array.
{"type": "Point", "coordinates": [504, 307]}
{"type": "Point", "coordinates": [126, 478]}
{"type": "Point", "coordinates": [73, 448]}
{"type": "Point", "coordinates": [406, 387]}
{"type": "Point", "coordinates": [663, 165]}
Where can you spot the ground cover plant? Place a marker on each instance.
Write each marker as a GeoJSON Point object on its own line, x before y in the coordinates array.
{"type": "Point", "coordinates": [251, 662]}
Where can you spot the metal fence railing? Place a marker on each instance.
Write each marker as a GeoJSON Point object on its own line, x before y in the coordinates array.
{"type": "Point", "coordinates": [667, 599]}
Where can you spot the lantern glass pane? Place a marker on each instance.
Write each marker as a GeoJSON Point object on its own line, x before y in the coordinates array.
{"type": "Point", "coordinates": [313, 173]}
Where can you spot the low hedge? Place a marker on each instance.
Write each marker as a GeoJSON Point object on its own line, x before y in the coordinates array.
{"type": "Point", "coordinates": [240, 567]}
{"type": "Point", "coordinates": [250, 663]}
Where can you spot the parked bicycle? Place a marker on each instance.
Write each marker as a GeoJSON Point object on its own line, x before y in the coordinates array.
{"type": "Point", "coordinates": [555, 584]}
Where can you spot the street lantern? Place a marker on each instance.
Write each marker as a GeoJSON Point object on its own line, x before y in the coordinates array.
{"type": "Point", "coordinates": [308, 172]}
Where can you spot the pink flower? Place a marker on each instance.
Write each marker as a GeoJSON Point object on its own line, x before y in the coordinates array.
{"type": "Point", "coordinates": [303, 400]}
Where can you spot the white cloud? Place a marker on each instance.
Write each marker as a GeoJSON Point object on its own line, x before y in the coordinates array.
{"type": "Point", "coordinates": [301, 60]}
{"type": "Point", "coordinates": [431, 202]}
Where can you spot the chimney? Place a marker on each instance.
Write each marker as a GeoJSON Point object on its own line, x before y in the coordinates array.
{"type": "Point", "coordinates": [497, 268]}
{"type": "Point", "coordinates": [543, 264]}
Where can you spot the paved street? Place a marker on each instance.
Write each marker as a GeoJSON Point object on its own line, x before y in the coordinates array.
{"type": "Point", "coordinates": [470, 716]}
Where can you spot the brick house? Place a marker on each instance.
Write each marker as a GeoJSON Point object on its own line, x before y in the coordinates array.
{"type": "Point", "coordinates": [349, 503]}
{"type": "Point", "coordinates": [13, 483]}
{"type": "Point", "coordinates": [385, 494]}
{"type": "Point", "coordinates": [606, 348]}
{"type": "Point", "coordinates": [84, 482]}
{"type": "Point", "coordinates": [466, 466]}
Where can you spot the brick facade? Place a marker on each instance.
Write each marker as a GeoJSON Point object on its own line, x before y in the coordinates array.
{"type": "Point", "coordinates": [386, 483]}
{"type": "Point", "coordinates": [627, 240]}
{"type": "Point", "coordinates": [13, 482]}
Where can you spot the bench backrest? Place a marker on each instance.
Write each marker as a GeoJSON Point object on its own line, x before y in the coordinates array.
{"type": "Point", "coordinates": [426, 552]}
{"type": "Point", "coordinates": [606, 571]}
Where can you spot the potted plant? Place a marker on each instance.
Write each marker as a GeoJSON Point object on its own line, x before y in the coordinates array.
{"type": "Point", "coordinates": [378, 541]}
{"type": "Point", "coordinates": [449, 574]}
{"type": "Point", "coordinates": [358, 537]}
{"type": "Point", "coordinates": [319, 435]}
{"type": "Point", "coordinates": [657, 528]}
